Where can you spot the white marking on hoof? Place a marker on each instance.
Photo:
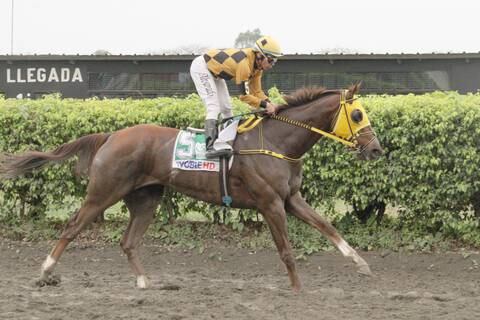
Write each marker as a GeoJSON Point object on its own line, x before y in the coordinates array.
{"type": "Point", "coordinates": [345, 248]}
{"type": "Point", "coordinates": [47, 266]}
{"type": "Point", "coordinates": [365, 270]}
{"type": "Point", "coordinates": [142, 282]}
{"type": "Point", "coordinates": [348, 251]}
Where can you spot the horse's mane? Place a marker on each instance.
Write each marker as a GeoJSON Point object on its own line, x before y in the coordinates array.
{"type": "Point", "coordinates": [305, 95]}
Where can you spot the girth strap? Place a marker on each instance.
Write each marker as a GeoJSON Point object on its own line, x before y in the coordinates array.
{"type": "Point", "coordinates": [268, 153]}
{"type": "Point", "coordinates": [226, 199]}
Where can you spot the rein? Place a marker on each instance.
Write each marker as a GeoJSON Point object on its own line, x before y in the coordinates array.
{"type": "Point", "coordinates": [316, 130]}
{"type": "Point", "coordinates": [254, 120]}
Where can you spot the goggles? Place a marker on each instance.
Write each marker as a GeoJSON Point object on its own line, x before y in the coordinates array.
{"type": "Point", "coordinates": [270, 60]}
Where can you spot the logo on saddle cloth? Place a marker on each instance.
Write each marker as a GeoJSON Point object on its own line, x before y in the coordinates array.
{"type": "Point", "coordinates": [189, 153]}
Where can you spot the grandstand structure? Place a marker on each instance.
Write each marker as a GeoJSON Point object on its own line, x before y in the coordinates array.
{"type": "Point", "coordinates": [143, 76]}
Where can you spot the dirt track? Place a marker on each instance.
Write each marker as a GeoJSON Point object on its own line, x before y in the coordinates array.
{"type": "Point", "coordinates": [231, 283]}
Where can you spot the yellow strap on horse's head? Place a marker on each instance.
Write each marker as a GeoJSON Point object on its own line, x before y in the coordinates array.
{"type": "Point", "coordinates": [351, 118]}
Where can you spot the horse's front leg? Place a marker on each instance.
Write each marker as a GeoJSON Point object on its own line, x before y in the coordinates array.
{"type": "Point", "coordinates": [275, 215]}
{"type": "Point", "coordinates": [297, 206]}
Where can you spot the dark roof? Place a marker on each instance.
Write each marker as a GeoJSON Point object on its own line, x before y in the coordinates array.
{"type": "Point", "coordinates": [311, 56]}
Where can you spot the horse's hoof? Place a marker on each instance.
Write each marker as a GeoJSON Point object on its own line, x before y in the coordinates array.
{"type": "Point", "coordinates": [50, 280]}
{"type": "Point", "coordinates": [297, 289]}
{"type": "Point", "coordinates": [365, 270]}
{"type": "Point", "coordinates": [142, 282]}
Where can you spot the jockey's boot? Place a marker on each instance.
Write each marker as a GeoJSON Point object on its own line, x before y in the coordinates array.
{"type": "Point", "coordinates": [211, 133]}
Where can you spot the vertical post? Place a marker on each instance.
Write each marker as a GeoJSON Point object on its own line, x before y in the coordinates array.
{"type": "Point", "coordinates": [11, 35]}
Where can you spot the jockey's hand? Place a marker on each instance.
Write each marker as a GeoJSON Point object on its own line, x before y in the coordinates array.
{"type": "Point", "coordinates": [271, 108]}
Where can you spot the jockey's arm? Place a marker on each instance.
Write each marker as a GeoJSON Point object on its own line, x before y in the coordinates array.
{"type": "Point", "coordinates": [252, 92]}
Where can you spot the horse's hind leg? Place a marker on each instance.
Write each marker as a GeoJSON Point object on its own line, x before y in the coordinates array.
{"type": "Point", "coordinates": [297, 206]}
{"type": "Point", "coordinates": [142, 204]}
{"type": "Point", "coordinates": [85, 215]}
{"type": "Point", "coordinates": [90, 210]}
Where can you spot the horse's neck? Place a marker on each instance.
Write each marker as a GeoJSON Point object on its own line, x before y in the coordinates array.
{"type": "Point", "coordinates": [295, 141]}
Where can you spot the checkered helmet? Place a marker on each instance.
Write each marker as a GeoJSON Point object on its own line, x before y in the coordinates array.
{"type": "Point", "coordinates": [269, 47]}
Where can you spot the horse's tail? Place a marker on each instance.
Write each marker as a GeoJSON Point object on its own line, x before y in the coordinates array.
{"type": "Point", "coordinates": [85, 148]}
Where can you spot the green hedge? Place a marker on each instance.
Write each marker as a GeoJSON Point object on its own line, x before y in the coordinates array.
{"type": "Point", "coordinates": [430, 167]}
{"type": "Point", "coordinates": [431, 157]}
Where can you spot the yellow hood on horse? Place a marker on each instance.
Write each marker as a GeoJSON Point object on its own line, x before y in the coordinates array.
{"type": "Point", "coordinates": [351, 118]}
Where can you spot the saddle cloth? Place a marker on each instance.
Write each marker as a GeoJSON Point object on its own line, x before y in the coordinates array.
{"type": "Point", "coordinates": [189, 151]}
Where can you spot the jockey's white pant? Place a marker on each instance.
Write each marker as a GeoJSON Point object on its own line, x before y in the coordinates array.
{"type": "Point", "coordinates": [213, 91]}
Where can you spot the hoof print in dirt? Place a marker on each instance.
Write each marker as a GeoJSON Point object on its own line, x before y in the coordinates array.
{"type": "Point", "coordinates": [170, 287]}
{"type": "Point", "coordinates": [52, 280]}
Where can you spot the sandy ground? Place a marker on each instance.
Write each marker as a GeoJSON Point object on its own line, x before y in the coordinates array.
{"type": "Point", "coordinates": [232, 283]}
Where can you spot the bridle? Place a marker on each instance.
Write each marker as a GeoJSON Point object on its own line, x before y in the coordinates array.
{"type": "Point", "coordinates": [354, 134]}
{"type": "Point", "coordinates": [351, 140]}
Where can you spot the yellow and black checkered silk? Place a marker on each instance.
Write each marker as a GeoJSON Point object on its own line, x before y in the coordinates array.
{"type": "Point", "coordinates": [238, 65]}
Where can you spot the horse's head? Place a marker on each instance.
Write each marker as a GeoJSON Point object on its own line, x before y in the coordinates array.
{"type": "Point", "coordinates": [319, 110]}
{"type": "Point", "coordinates": [353, 126]}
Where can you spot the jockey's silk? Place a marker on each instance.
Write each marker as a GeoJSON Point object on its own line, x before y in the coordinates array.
{"type": "Point", "coordinates": [237, 65]}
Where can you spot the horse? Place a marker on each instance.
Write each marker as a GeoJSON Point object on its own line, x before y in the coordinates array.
{"type": "Point", "coordinates": [135, 165]}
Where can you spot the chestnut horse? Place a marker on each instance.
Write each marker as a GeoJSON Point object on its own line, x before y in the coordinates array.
{"type": "Point", "coordinates": [135, 164]}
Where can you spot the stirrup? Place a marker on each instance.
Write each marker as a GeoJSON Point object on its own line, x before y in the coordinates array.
{"type": "Point", "coordinates": [212, 153]}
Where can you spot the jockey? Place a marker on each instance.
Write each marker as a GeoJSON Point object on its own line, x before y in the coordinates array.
{"type": "Point", "coordinates": [245, 67]}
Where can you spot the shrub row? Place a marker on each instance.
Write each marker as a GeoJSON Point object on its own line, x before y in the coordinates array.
{"type": "Point", "coordinates": [429, 169]}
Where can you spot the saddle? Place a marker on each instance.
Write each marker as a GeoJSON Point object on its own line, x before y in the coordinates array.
{"type": "Point", "coordinates": [189, 151]}
{"type": "Point", "coordinates": [189, 154]}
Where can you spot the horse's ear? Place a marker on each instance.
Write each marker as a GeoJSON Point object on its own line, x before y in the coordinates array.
{"type": "Point", "coordinates": [354, 89]}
